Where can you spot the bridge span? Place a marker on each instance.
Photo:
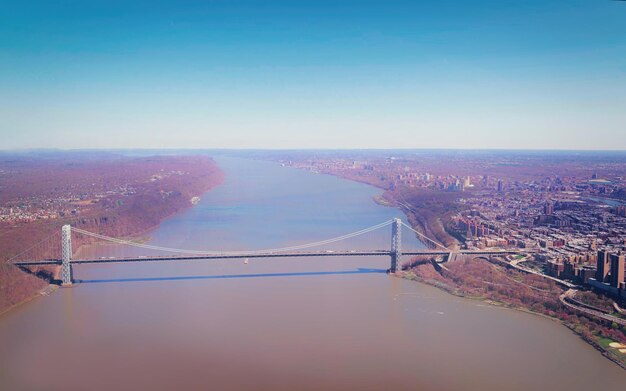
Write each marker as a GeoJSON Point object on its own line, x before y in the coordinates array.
{"type": "Point", "coordinates": [327, 253]}
{"type": "Point", "coordinates": [395, 252]}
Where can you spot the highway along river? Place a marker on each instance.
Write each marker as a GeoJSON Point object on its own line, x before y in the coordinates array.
{"type": "Point", "coordinates": [325, 323]}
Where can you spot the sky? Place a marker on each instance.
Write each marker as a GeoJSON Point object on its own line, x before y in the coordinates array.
{"type": "Point", "coordinates": [313, 74]}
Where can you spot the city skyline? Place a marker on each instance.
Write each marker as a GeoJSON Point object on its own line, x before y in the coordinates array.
{"type": "Point", "coordinates": [317, 75]}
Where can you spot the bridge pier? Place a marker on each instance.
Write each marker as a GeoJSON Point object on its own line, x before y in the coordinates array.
{"type": "Point", "coordinates": [396, 245]}
{"type": "Point", "coordinates": [66, 256]}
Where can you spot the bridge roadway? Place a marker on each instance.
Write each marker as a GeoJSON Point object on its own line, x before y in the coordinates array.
{"type": "Point", "coordinates": [325, 253]}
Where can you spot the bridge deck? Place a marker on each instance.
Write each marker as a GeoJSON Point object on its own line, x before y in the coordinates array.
{"type": "Point", "coordinates": [327, 253]}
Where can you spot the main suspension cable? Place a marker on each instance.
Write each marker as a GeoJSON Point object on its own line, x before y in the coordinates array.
{"type": "Point", "coordinates": [10, 260]}
{"type": "Point", "coordinates": [244, 252]}
{"type": "Point", "coordinates": [421, 235]}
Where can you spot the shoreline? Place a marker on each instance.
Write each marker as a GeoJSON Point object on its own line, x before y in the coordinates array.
{"type": "Point", "coordinates": [48, 289]}
{"type": "Point", "coordinates": [502, 305]}
{"type": "Point", "coordinates": [45, 291]}
{"type": "Point", "coordinates": [56, 269]}
{"type": "Point", "coordinates": [143, 235]}
{"type": "Point", "coordinates": [418, 220]}
{"type": "Point", "coordinates": [411, 216]}
{"type": "Point", "coordinates": [419, 223]}
{"type": "Point", "coordinates": [216, 180]}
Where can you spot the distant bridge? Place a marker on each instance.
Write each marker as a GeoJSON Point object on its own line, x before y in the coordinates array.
{"type": "Point", "coordinates": [395, 252]}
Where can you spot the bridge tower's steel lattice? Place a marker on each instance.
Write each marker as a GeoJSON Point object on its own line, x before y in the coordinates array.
{"type": "Point", "coordinates": [396, 245]}
{"type": "Point", "coordinates": [66, 253]}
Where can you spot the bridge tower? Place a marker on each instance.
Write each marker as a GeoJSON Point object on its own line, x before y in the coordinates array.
{"type": "Point", "coordinates": [66, 253]}
{"type": "Point", "coordinates": [396, 245]}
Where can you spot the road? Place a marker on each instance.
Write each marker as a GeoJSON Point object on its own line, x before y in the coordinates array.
{"type": "Point", "coordinates": [569, 294]}
{"type": "Point", "coordinates": [515, 265]}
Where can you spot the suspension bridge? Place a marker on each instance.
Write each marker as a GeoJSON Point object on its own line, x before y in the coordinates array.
{"type": "Point", "coordinates": [28, 258]}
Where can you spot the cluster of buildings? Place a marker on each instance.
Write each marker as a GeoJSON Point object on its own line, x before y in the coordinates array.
{"type": "Point", "coordinates": [394, 173]}
{"type": "Point", "coordinates": [72, 201]}
{"type": "Point", "coordinates": [564, 221]}
{"type": "Point", "coordinates": [610, 273]}
{"type": "Point", "coordinates": [571, 234]}
{"type": "Point", "coordinates": [603, 270]}
{"type": "Point", "coordinates": [22, 214]}
{"type": "Point", "coordinates": [437, 182]}
{"type": "Point", "coordinates": [565, 232]}
{"type": "Point", "coordinates": [37, 208]}
{"type": "Point", "coordinates": [610, 269]}
{"type": "Point", "coordinates": [41, 207]}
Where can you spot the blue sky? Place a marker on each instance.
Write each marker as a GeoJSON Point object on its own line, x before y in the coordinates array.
{"type": "Point", "coordinates": [318, 74]}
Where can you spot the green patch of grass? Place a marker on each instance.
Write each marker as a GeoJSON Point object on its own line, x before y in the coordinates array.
{"type": "Point", "coordinates": [604, 342]}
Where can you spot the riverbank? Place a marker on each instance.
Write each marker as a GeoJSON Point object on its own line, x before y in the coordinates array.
{"type": "Point", "coordinates": [421, 219]}
{"type": "Point", "coordinates": [45, 291]}
{"type": "Point", "coordinates": [427, 211]}
{"type": "Point", "coordinates": [150, 190]}
{"type": "Point", "coordinates": [479, 280]}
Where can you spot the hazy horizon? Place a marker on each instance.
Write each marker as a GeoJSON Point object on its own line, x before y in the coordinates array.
{"type": "Point", "coordinates": [244, 149]}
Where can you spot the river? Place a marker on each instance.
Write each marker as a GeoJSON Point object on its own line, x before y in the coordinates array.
{"type": "Point", "coordinates": [331, 323]}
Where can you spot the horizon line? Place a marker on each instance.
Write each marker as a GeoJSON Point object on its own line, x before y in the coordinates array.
{"type": "Point", "coordinates": [242, 149]}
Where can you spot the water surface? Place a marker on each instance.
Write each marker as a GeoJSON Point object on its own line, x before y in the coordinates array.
{"type": "Point", "coordinates": [281, 324]}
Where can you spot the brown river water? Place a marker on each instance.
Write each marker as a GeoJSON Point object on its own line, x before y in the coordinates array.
{"type": "Point", "coordinates": [326, 323]}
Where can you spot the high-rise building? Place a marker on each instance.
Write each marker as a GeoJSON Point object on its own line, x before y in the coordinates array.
{"type": "Point", "coordinates": [548, 208]}
{"type": "Point", "coordinates": [603, 266]}
{"type": "Point", "coordinates": [617, 269]}
{"type": "Point", "coordinates": [500, 186]}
